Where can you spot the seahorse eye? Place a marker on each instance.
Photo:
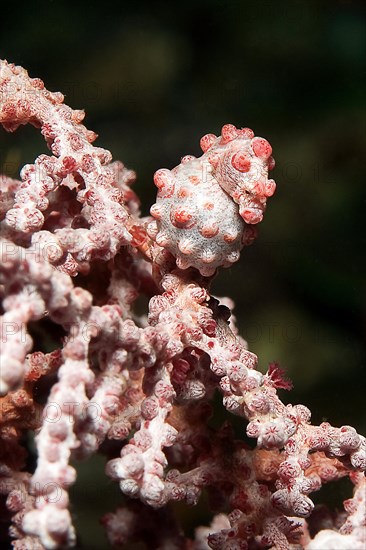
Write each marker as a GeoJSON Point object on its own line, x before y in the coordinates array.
{"type": "Point", "coordinates": [241, 162]}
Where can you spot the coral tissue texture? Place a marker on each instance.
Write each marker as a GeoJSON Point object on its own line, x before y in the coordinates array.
{"type": "Point", "coordinates": [87, 374]}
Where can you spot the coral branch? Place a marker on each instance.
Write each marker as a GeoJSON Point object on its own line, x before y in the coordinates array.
{"type": "Point", "coordinates": [86, 369]}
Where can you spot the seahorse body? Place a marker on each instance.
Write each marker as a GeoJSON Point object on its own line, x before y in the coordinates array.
{"type": "Point", "coordinates": [206, 207]}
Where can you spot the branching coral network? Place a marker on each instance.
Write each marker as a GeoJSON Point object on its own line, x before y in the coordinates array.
{"type": "Point", "coordinates": [76, 253]}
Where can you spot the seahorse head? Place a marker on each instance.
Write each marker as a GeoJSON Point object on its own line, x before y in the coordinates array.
{"type": "Point", "coordinates": [240, 163]}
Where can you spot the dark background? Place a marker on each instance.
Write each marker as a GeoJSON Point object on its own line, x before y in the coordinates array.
{"type": "Point", "coordinates": [154, 77]}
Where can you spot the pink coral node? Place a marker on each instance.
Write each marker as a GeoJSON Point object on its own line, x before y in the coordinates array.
{"type": "Point", "coordinates": [206, 206]}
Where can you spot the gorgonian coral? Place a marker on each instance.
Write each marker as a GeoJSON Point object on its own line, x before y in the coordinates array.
{"type": "Point", "coordinates": [76, 254]}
